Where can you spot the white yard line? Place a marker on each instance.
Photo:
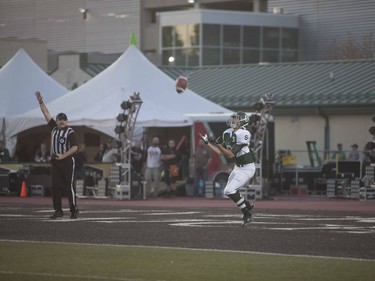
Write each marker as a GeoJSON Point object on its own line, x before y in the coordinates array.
{"type": "Point", "coordinates": [69, 276]}
{"type": "Point", "coordinates": [187, 249]}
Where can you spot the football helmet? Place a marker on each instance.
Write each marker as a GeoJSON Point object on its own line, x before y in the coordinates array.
{"type": "Point", "coordinates": [238, 120]}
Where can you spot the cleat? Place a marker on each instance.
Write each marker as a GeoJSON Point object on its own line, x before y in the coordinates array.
{"type": "Point", "coordinates": [247, 219]}
{"type": "Point", "coordinates": [249, 205]}
{"type": "Point", "coordinates": [57, 214]}
{"type": "Point", "coordinates": [74, 214]}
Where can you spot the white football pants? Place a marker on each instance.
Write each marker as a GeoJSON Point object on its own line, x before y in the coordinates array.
{"type": "Point", "coordinates": [239, 177]}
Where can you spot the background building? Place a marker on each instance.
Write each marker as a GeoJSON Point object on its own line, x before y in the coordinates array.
{"type": "Point", "coordinates": [200, 37]}
{"type": "Point", "coordinates": [80, 38]}
{"type": "Point", "coordinates": [89, 26]}
{"type": "Point", "coordinates": [326, 27]}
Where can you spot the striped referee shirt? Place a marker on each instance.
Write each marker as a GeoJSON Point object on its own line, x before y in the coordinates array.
{"type": "Point", "coordinates": [61, 139]}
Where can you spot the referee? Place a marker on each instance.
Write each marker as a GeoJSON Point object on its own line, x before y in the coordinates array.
{"type": "Point", "coordinates": [63, 146]}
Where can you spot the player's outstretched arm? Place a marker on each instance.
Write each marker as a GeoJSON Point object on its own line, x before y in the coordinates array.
{"type": "Point", "coordinates": [210, 145]}
{"type": "Point", "coordinates": [227, 152]}
{"type": "Point", "coordinates": [43, 107]}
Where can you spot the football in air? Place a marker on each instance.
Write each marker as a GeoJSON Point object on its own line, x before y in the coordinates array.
{"type": "Point", "coordinates": [181, 84]}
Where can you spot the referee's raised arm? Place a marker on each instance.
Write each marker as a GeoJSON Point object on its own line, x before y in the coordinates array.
{"type": "Point", "coordinates": [43, 107]}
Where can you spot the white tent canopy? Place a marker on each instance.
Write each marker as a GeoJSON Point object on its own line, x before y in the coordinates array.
{"type": "Point", "coordinates": [97, 103]}
{"type": "Point", "coordinates": [19, 77]}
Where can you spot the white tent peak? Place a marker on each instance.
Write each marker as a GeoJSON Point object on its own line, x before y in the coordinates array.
{"type": "Point", "coordinates": [20, 77]}
{"type": "Point", "coordinates": [133, 72]}
{"type": "Point", "coordinates": [97, 102]}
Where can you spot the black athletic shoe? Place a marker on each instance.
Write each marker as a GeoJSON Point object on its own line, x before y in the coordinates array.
{"type": "Point", "coordinates": [56, 214]}
{"type": "Point", "coordinates": [249, 205]}
{"type": "Point", "coordinates": [74, 214]}
{"type": "Point", "coordinates": [247, 219]}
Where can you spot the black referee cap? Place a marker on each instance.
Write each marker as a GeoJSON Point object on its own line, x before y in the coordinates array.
{"type": "Point", "coordinates": [61, 115]}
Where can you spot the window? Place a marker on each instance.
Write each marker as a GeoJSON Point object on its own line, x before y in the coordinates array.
{"type": "Point", "coordinates": [167, 36]}
{"type": "Point", "coordinates": [193, 31]}
{"type": "Point", "coordinates": [231, 36]}
{"type": "Point", "coordinates": [181, 36]}
{"type": "Point", "coordinates": [211, 35]}
{"type": "Point", "coordinates": [271, 37]}
{"type": "Point", "coordinates": [211, 56]}
{"type": "Point", "coordinates": [215, 44]}
{"type": "Point", "coordinates": [270, 56]}
{"type": "Point", "coordinates": [193, 57]}
{"type": "Point", "coordinates": [250, 56]}
{"type": "Point", "coordinates": [179, 59]}
{"type": "Point", "coordinates": [251, 36]}
{"type": "Point", "coordinates": [231, 56]}
{"type": "Point", "coordinates": [289, 56]}
{"type": "Point", "coordinates": [166, 54]}
{"type": "Point", "coordinates": [289, 38]}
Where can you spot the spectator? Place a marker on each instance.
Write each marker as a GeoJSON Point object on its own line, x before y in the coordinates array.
{"type": "Point", "coordinates": [82, 153]}
{"type": "Point", "coordinates": [80, 158]}
{"type": "Point", "coordinates": [184, 163]}
{"type": "Point", "coordinates": [170, 160]}
{"type": "Point", "coordinates": [202, 160]}
{"type": "Point", "coordinates": [110, 155]}
{"type": "Point", "coordinates": [42, 155]}
{"type": "Point", "coordinates": [99, 155]}
{"type": "Point", "coordinates": [153, 163]}
{"type": "Point", "coordinates": [137, 157]}
{"type": "Point", "coordinates": [368, 154]}
{"type": "Point", "coordinates": [339, 154]}
{"type": "Point", "coordinates": [354, 154]}
{"type": "Point", "coordinates": [4, 152]}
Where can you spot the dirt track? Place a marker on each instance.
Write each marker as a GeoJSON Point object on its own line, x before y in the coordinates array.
{"type": "Point", "coordinates": [281, 203]}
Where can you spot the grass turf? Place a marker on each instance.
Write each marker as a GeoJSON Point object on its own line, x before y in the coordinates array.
{"type": "Point", "coordinates": [53, 261]}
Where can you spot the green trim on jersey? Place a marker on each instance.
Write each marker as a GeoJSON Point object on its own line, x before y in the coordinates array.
{"type": "Point", "coordinates": [227, 140]}
{"type": "Point", "coordinates": [237, 148]}
{"type": "Point", "coordinates": [244, 159]}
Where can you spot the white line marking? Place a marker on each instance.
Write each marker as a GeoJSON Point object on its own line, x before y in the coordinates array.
{"type": "Point", "coordinates": [274, 222]}
{"type": "Point", "coordinates": [186, 249]}
{"type": "Point", "coordinates": [154, 221]}
{"type": "Point", "coordinates": [70, 275]}
{"type": "Point", "coordinates": [15, 216]}
{"type": "Point", "coordinates": [67, 219]}
{"type": "Point", "coordinates": [172, 213]}
{"type": "Point", "coordinates": [206, 223]}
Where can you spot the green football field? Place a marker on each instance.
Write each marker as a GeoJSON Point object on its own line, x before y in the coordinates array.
{"type": "Point", "coordinates": [63, 261]}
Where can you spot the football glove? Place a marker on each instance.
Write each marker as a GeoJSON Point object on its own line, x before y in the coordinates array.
{"type": "Point", "coordinates": [204, 138]}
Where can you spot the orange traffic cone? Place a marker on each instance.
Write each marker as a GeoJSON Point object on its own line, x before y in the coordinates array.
{"type": "Point", "coordinates": [23, 189]}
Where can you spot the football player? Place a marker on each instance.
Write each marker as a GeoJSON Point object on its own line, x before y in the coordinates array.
{"type": "Point", "coordinates": [235, 144]}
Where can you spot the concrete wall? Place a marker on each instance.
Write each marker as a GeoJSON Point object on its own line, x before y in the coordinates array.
{"type": "Point", "coordinates": [107, 27]}
{"type": "Point", "coordinates": [69, 71]}
{"type": "Point", "coordinates": [36, 49]}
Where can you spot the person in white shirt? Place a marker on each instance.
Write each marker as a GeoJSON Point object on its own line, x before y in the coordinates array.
{"type": "Point", "coordinates": [153, 163]}
{"type": "Point", "coordinates": [110, 154]}
{"type": "Point", "coordinates": [42, 155]}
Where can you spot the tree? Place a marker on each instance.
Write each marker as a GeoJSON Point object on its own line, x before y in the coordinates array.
{"type": "Point", "coordinates": [351, 49]}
